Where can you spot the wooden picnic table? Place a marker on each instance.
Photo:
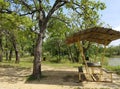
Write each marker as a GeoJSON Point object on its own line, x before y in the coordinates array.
{"type": "Point", "coordinates": [96, 72]}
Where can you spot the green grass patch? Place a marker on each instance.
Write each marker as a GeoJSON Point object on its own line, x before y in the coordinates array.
{"type": "Point", "coordinates": [64, 62]}
{"type": "Point", "coordinates": [58, 65]}
{"type": "Point", "coordinates": [116, 69]}
{"type": "Point", "coordinates": [25, 62]}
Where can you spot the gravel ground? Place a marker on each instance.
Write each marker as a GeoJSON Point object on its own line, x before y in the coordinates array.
{"type": "Point", "coordinates": [55, 78]}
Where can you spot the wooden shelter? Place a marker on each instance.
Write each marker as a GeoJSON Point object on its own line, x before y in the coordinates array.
{"type": "Point", "coordinates": [99, 35]}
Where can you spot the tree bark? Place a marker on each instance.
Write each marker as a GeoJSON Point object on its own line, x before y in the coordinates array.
{"type": "Point", "coordinates": [85, 49]}
{"type": "Point", "coordinates": [38, 57]}
{"type": "Point", "coordinates": [1, 58]}
{"type": "Point", "coordinates": [59, 53]}
{"type": "Point", "coordinates": [6, 51]}
{"type": "Point", "coordinates": [16, 52]}
{"type": "Point", "coordinates": [76, 54]}
{"type": "Point", "coordinates": [6, 55]}
{"type": "Point", "coordinates": [10, 55]}
{"type": "Point", "coordinates": [70, 56]}
{"type": "Point", "coordinates": [17, 56]}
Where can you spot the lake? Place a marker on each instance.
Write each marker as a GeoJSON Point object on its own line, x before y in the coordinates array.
{"type": "Point", "coordinates": [114, 61]}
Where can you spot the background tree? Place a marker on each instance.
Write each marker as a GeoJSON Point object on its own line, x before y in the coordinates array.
{"type": "Point", "coordinates": [11, 25]}
{"type": "Point", "coordinates": [113, 51]}
{"type": "Point", "coordinates": [56, 34]}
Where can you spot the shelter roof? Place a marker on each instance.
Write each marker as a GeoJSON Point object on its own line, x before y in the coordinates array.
{"type": "Point", "coordinates": [99, 35]}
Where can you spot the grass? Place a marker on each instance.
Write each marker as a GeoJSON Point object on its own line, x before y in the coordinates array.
{"type": "Point", "coordinates": [116, 69]}
{"type": "Point", "coordinates": [27, 62]}
{"type": "Point", "coordinates": [66, 64]}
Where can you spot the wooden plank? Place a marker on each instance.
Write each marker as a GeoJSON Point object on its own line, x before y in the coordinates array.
{"type": "Point", "coordinates": [109, 72]}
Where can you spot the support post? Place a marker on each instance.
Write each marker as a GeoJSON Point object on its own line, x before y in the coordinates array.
{"type": "Point", "coordinates": [83, 57]}
{"type": "Point", "coordinates": [101, 72]}
{"type": "Point", "coordinates": [102, 60]}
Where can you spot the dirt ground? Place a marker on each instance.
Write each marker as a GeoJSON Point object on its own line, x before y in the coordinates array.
{"type": "Point", "coordinates": [54, 78]}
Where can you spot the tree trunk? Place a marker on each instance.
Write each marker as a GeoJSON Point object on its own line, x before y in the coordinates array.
{"type": "Point", "coordinates": [6, 55]}
{"type": "Point", "coordinates": [6, 51]}
{"type": "Point", "coordinates": [70, 56]}
{"type": "Point", "coordinates": [85, 49]}
{"type": "Point", "coordinates": [1, 49]}
{"type": "Point", "coordinates": [22, 49]}
{"type": "Point", "coordinates": [76, 54]}
{"type": "Point", "coordinates": [37, 57]}
{"type": "Point", "coordinates": [16, 52]}
{"type": "Point", "coordinates": [10, 55]}
{"type": "Point", "coordinates": [17, 56]}
{"type": "Point", "coordinates": [0, 57]}
{"type": "Point", "coordinates": [59, 58]}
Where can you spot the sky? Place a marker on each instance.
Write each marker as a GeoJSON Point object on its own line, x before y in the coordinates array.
{"type": "Point", "coordinates": [111, 16]}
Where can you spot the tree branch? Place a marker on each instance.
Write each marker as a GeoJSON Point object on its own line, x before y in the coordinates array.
{"type": "Point", "coordinates": [34, 1]}
{"type": "Point", "coordinates": [28, 13]}
{"type": "Point", "coordinates": [6, 11]}
{"type": "Point", "coordinates": [57, 4]}
{"type": "Point", "coordinates": [25, 4]}
{"type": "Point", "coordinates": [41, 8]}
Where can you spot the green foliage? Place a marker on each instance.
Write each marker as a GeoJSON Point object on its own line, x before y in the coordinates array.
{"type": "Point", "coordinates": [54, 45]}
{"type": "Point", "coordinates": [87, 14]}
{"type": "Point", "coordinates": [4, 5]}
{"type": "Point", "coordinates": [113, 51]}
{"type": "Point", "coordinates": [16, 29]}
{"type": "Point", "coordinates": [69, 5]}
{"type": "Point", "coordinates": [58, 27]}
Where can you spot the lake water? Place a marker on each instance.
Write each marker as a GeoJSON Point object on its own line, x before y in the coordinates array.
{"type": "Point", "coordinates": [114, 61]}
